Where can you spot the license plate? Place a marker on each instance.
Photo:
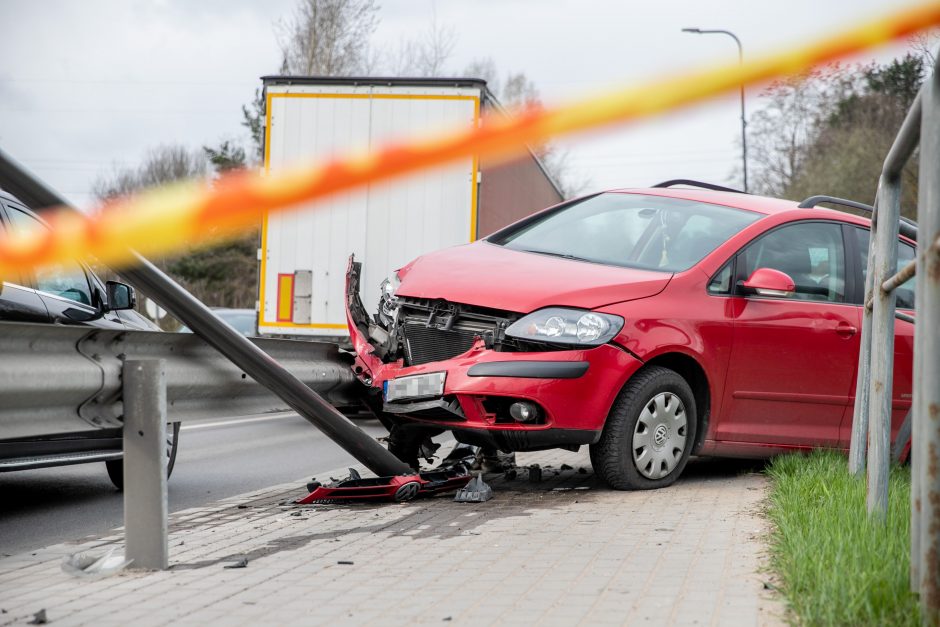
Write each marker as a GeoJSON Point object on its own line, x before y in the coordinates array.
{"type": "Point", "coordinates": [415, 386]}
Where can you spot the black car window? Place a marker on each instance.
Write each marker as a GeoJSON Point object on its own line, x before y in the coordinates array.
{"type": "Point", "coordinates": [811, 253]}
{"type": "Point", "coordinates": [65, 280]}
{"type": "Point", "coordinates": [906, 253]}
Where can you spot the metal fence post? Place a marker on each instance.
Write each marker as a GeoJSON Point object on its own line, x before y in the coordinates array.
{"type": "Point", "coordinates": [858, 448]}
{"type": "Point", "coordinates": [885, 249]}
{"type": "Point", "coordinates": [927, 351]}
{"type": "Point", "coordinates": [145, 496]}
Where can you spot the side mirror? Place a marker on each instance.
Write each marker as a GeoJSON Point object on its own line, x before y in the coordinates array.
{"type": "Point", "coordinates": [120, 296]}
{"type": "Point", "coordinates": [769, 282]}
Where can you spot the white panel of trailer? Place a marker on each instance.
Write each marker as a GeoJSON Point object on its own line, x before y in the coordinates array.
{"type": "Point", "coordinates": [386, 225]}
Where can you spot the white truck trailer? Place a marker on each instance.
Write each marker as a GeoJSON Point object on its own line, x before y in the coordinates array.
{"type": "Point", "coordinates": [304, 253]}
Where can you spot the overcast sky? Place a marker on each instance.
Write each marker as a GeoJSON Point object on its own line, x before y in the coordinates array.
{"type": "Point", "coordinates": [87, 86]}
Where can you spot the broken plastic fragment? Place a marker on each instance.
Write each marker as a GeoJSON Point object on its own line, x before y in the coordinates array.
{"type": "Point", "coordinates": [88, 566]}
{"type": "Point", "coordinates": [477, 491]}
{"type": "Point", "coordinates": [242, 563]}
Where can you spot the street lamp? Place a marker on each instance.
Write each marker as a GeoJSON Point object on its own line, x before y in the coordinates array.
{"type": "Point", "coordinates": [700, 31]}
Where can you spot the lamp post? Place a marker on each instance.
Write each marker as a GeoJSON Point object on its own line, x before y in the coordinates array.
{"type": "Point", "coordinates": [700, 31]}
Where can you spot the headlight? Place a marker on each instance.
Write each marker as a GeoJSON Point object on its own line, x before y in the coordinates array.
{"type": "Point", "coordinates": [567, 326]}
{"type": "Point", "coordinates": [387, 304]}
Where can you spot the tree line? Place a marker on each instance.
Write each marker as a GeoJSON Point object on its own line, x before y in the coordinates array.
{"type": "Point", "coordinates": [828, 130]}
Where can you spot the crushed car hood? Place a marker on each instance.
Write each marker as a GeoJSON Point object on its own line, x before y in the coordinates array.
{"type": "Point", "coordinates": [488, 275]}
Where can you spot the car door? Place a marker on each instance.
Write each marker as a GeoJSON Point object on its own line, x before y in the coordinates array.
{"type": "Point", "coordinates": [19, 301]}
{"type": "Point", "coordinates": [901, 389]}
{"type": "Point", "coordinates": [64, 288]}
{"type": "Point", "coordinates": [793, 356]}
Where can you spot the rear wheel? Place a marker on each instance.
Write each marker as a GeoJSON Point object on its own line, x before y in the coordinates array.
{"type": "Point", "coordinates": [116, 466]}
{"type": "Point", "coordinates": [649, 433]}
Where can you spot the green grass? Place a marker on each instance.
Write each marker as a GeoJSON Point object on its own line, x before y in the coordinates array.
{"type": "Point", "coordinates": [835, 566]}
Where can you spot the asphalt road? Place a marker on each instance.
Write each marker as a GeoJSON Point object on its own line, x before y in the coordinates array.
{"type": "Point", "coordinates": [215, 460]}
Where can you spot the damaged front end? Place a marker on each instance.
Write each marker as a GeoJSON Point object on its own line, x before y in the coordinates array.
{"type": "Point", "coordinates": [430, 365]}
{"type": "Point", "coordinates": [415, 331]}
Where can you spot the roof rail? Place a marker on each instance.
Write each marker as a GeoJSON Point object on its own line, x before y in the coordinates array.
{"type": "Point", "coordinates": [711, 186]}
{"type": "Point", "coordinates": [812, 201]}
{"type": "Point", "coordinates": [908, 227]}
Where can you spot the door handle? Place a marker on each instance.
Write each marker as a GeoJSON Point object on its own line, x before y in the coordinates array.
{"type": "Point", "coordinates": [846, 330]}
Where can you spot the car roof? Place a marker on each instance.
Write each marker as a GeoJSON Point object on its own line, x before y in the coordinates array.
{"type": "Point", "coordinates": [749, 202]}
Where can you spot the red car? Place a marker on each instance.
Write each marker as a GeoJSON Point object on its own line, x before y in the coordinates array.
{"type": "Point", "coordinates": [650, 324]}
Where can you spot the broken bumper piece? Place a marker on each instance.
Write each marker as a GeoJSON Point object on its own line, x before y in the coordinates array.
{"type": "Point", "coordinates": [397, 489]}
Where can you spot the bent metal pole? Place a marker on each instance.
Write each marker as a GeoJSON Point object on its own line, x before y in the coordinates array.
{"type": "Point", "coordinates": [263, 369]}
{"type": "Point", "coordinates": [237, 348]}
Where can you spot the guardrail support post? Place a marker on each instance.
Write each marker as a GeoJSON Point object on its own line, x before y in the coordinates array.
{"type": "Point", "coordinates": [858, 448]}
{"type": "Point", "coordinates": [145, 460]}
{"type": "Point", "coordinates": [885, 250]}
{"type": "Point", "coordinates": [926, 415]}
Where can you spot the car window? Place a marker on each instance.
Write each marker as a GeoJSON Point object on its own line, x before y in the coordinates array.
{"type": "Point", "coordinates": [632, 230]}
{"type": "Point", "coordinates": [906, 254]}
{"type": "Point", "coordinates": [241, 321]}
{"type": "Point", "coordinates": [811, 253]}
{"type": "Point", "coordinates": [721, 282]}
{"type": "Point", "coordinates": [65, 280]}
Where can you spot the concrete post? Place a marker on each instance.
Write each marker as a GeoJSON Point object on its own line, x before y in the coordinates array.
{"type": "Point", "coordinates": [145, 495]}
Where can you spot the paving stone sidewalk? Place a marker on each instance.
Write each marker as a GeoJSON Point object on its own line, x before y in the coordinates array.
{"type": "Point", "coordinates": [564, 551]}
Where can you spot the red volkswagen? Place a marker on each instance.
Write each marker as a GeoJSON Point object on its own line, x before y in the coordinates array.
{"type": "Point", "coordinates": [650, 324]}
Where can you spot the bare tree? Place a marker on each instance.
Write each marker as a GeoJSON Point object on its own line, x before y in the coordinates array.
{"type": "Point", "coordinates": [828, 131]}
{"type": "Point", "coordinates": [924, 45]}
{"type": "Point", "coordinates": [780, 132]}
{"type": "Point", "coordinates": [224, 275]}
{"type": "Point", "coordinates": [328, 37]}
{"type": "Point", "coordinates": [163, 164]}
{"type": "Point", "coordinates": [321, 38]}
{"type": "Point", "coordinates": [332, 38]}
{"type": "Point", "coordinates": [519, 92]}
{"type": "Point", "coordinates": [485, 68]}
{"type": "Point", "coordinates": [426, 55]}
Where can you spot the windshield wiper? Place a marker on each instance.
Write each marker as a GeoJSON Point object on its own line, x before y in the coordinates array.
{"type": "Point", "coordinates": [554, 254]}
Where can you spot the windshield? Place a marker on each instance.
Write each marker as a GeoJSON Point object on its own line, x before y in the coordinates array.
{"type": "Point", "coordinates": [632, 230]}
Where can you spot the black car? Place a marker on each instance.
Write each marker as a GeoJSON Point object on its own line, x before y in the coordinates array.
{"type": "Point", "coordinates": [68, 293]}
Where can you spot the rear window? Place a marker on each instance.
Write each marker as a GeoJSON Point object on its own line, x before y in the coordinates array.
{"type": "Point", "coordinates": [632, 230]}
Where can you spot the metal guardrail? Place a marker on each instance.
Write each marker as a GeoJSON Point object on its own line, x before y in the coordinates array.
{"type": "Point", "coordinates": [245, 355]}
{"type": "Point", "coordinates": [871, 427]}
{"type": "Point", "coordinates": [61, 379]}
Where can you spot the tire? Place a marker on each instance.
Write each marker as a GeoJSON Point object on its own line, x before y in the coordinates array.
{"type": "Point", "coordinates": [116, 466]}
{"type": "Point", "coordinates": [648, 436]}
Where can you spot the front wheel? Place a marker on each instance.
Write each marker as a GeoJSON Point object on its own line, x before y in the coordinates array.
{"type": "Point", "coordinates": [116, 466]}
{"type": "Point", "coordinates": [649, 433]}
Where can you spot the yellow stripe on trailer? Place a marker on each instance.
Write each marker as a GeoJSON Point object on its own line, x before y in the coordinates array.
{"type": "Point", "coordinates": [285, 297]}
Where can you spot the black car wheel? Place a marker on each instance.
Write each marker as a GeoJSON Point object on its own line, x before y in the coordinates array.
{"type": "Point", "coordinates": [649, 433]}
{"type": "Point", "coordinates": [116, 466]}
